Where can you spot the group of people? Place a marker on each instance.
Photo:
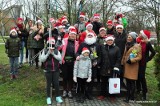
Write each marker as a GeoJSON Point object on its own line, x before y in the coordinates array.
{"type": "Point", "coordinates": [84, 52]}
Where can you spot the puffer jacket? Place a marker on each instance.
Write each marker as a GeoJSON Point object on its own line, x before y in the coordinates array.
{"type": "Point", "coordinates": [82, 68]}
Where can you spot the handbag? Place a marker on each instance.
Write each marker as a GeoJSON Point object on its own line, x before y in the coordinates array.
{"type": "Point", "coordinates": [114, 85]}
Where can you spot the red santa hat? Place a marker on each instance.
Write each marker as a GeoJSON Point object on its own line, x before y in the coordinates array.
{"type": "Point", "coordinates": [88, 24]}
{"type": "Point", "coordinates": [84, 50]}
{"type": "Point", "coordinates": [102, 28]}
{"type": "Point", "coordinates": [71, 27]}
{"type": "Point", "coordinates": [145, 33]}
{"type": "Point", "coordinates": [73, 31]}
{"type": "Point", "coordinates": [20, 19]}
{"type": "Point", "coordinates": [109, 22]}
{"type": "Point", "coordinates": [96, 16]}
{"type": "Point", "coordinates": [59, 25]}
{"type": "Point", "coordinates": [63, 19]}
{"type": "Point", "coordinates": [82, 14]}
{"type": "Point", "coordinates": [51, 20]}
{"type": "Point", "coordinates": [110, 37]}
{"type": "Point", "coordinates": [119, 26]}
{"type": "Point", "coordinates": [13, 30]}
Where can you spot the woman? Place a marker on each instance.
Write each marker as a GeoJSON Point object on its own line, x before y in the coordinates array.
{"type": "Point", "coordinates": [112, 53]}
{"type": "Point", "coordinates": [130, 60]}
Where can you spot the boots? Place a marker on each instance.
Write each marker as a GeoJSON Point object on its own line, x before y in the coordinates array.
{"type": "Point", "coordinates": [144, 96]}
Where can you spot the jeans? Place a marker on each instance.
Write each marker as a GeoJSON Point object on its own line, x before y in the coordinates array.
{"type": "Point", "coordinates": [22, 52]}
{"type": "Point", "coordinates": [31, 54]}
{"type": "Point", "coordinates": [13, 65]}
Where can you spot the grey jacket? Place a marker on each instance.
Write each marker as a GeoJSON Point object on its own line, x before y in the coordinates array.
{"type": "Point", "coordinates": [83, 67]}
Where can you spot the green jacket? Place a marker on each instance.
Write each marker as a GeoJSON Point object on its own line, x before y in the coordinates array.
{"type": "Point", "coordinates": [13, 45]}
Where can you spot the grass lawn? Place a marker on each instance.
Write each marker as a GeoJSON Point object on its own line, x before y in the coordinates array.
{"type": "Point", "coordinates": [29, 88]}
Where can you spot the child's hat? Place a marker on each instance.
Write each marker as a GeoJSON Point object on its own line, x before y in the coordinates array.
{"type": "Point", "coordinates": [84, 50]}
{"type": "Point", "coordinates": [13, 30]}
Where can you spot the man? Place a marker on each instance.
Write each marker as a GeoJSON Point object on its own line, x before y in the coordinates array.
{"type": "Point", "coordinates": [110, 27]}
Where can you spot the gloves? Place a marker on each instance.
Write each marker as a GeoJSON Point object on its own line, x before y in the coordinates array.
{"type": "Point", "coordinates": [89, 79]}
{"type": "Point", "coordinates": [75, 79]}
{"type": "Point", "coordinates": [129, 61]}
{"type": "Point", "coordinates": [116, 70]}
{"type": "Point", "coordinates": [77, 58]}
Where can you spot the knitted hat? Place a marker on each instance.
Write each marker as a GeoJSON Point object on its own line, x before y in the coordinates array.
{"type": "Point", "coordinates": [133, 34]}
{"type": "Point", "coordinates": [119, 26]}
{"type": "Point", "coordinates": [84, 50]}
{"type": "Point", "coordinates": [13, 30]}
{"type": "Point", "coordinates": [145, 33]}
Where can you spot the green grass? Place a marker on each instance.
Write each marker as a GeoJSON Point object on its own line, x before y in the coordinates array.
{"type": "Point", "coordinates": [29, 88]}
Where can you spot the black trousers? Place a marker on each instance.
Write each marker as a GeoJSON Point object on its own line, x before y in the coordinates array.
{"type": "Point", "coordinates": [81, 85]}
{"type": "Point", "coordinates": [141, 82]}
{"type": "Point", "coordinates": [36, 50]}
{"type": "Point", "coordinates": [67, 74]}
{"type": "Point", "coordinates": [130, 88]}
{"type": "Point", "coordinates": [104, 85]}
{"type": "Point", "coordinates": [52, 77]}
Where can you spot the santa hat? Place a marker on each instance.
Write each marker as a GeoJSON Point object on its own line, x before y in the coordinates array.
{"type": "Point", "coordinates": [109, 22]}
{"type": "Point", "coordinates": [102, 28]}
{"type": "Point", "coordinates": [84, 50]}
{"type": "Point", "coordinates": [63, 19]}
{"type": "Point", "coordinates": [20, 19]}
{"type": "Point", "coordinates": [51, 20]}
{"type": "Point", "coordinates": [96, 16]}
{"type": "Point", "coordinates": [145, 33]}
{"type": "Point", "coordinates": [59, 25]}
{"type": "Point", "coordinates": [82, 14]}
{"type": "Point", "coordinates": [13, 30]}
{"type": "Point", "coordinates": [39, 22]}
{"type": "Point", "coordinates": [71, 27]}
{"type": "Point", "coordinates": [73, 31]}
{"type": "Point", "coordinates": [91, 33]}
{"type": "Point", "coordinates": [119, 26]}
{"type": "Point", "coordinates": [50, 43]}
{"type": "Point", "coordinates": [88, 24]}
{"type": "Point", "coordinates": [109, 38]}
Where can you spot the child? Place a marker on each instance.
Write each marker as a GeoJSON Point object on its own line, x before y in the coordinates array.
{"type": "Point", "coordinates": [51, 57]}
{"type": "Point", "coordinates": [82, 73]}
{"type": "Point", "coordinates": [13, 45]}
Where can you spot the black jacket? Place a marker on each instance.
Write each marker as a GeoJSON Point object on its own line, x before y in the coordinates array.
{"type": "Point", "coordinates": [111, 31]}
{"type": "Point", "coordinates": [96, 27]}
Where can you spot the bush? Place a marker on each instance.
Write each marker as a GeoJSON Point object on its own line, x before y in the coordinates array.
{"type": "Point", "coordinates": [157, 65]}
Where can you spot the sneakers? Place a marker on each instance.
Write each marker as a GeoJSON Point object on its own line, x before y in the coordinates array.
{"type": "Point", "coordinates": [49, 102]}
{"type": "Point", "coordinates": [59, 99]}
{"type": "Point", "coordinates": [64, 94]}
{"type": "Point", "coordinates": [101, 97]}
{"type": "Point", "coordinates": [70, 94]}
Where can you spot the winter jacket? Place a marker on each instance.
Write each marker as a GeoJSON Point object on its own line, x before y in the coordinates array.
{"type": "Point", "coordinates": [120, 41]}
{"type": "Point", "coordinates": [96, 27]}
{"type": "Point", "coordinates": [13, 45]}
{"type": "Point", "coordinates": [131, 70]}
{"type": "Point", "coordinates": [100, 40]}
{"type": "Point", "coordinates": [111, 31]}
{"type": "Point", "coordinates": [82, 68]}
{"type": "Point", "coordinates": [80, 26]}
{"type": "Point", "coordinates": [51, 60]}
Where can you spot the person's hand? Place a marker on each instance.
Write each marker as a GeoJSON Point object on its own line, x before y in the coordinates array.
{"type": "Point", "coordinates": [89, 79]}
{"type": "Point", "coordinates": [77, 58]}
{"type": "Point", "coordinates": [116, 70]}
{"type": "Point", "coordinates": [129, 61]}
{"type": "Point", "coordinates": [19, 32]}
{"type": "Point", "coordinates": [75, 79]}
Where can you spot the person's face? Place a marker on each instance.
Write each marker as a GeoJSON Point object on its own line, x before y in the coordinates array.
{"type": "Point", "coordinates": [64, 23]}
{"type": "Point", "coordinates": [96, 19]}
{"type": "Point", "coordinates": [30, 23]}
{"type": "Point", "coordinates": [13, 33]}
{"type": "Point", "coordinates": [61, 29]}
{"type": "Point", "coordinates": [89, 28]}
{"type": "Point", "coordinates": [39, 25]}
{"type": "Point", "coordinates": [89, 36]}
{"type": "Point", "coordinates": [109, 26]}
{"type": "Point", "coordinates": [85, 54]}
{"type": "Point", "coordinates": [20, 21]}
{"type": "Point", "coordinates": [140, 35]}
{"type": "Point", "coordinates": [129, 38]}
{"type": "Point", "coordinates": [72, 36]}
{"type": "Point", "coordinates": [110, 42]}
{"type": "Point", "coordinates": [119, 30]}
{"type": "Point", "coordinates": [81, 19]}
{"type": "Point", "coordinates": [102, 33]}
